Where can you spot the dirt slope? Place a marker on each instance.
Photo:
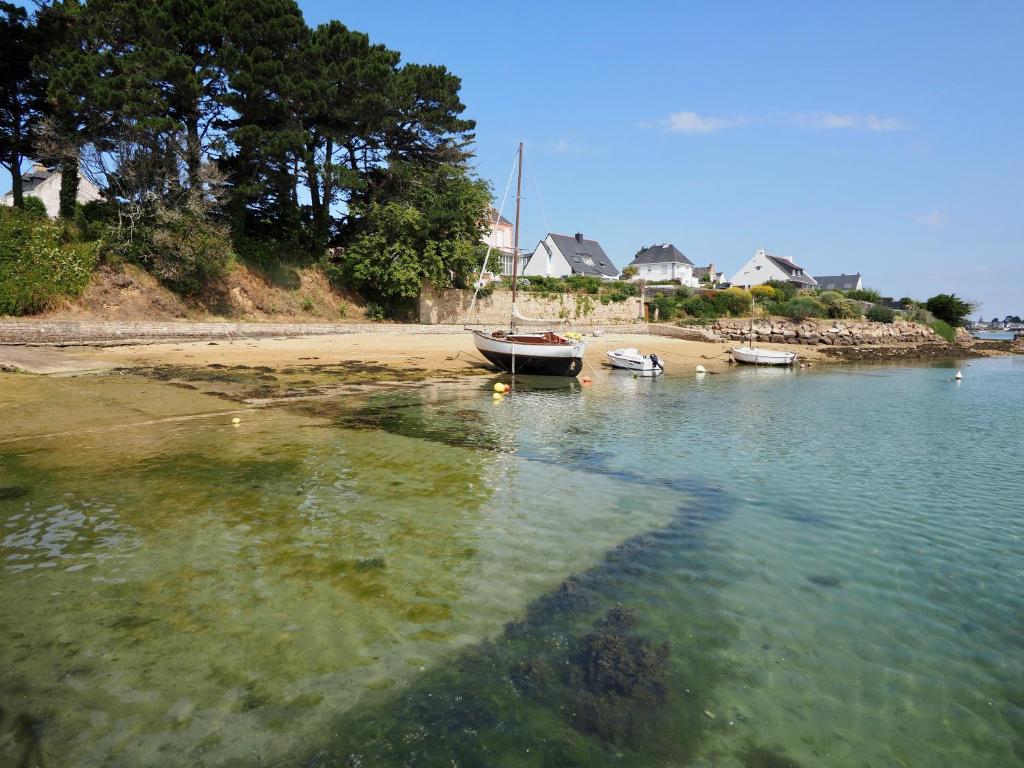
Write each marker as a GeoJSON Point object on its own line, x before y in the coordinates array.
{"type": "Point", "coordinates": [282, 293]}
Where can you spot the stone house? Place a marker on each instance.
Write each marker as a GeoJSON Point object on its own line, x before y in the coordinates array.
{"type": "Point", "coordinates": [44, 183]}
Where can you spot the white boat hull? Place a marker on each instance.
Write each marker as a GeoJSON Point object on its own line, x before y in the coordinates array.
{"type": "Point", "coordinates": [630, 359]}
{"type": "Point", "coordinates": [529, 353]}
{"type": "Point", "coordinates": [757, 356]}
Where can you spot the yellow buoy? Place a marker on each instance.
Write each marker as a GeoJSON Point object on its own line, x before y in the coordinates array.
{"type": "Point", "coordinates": [499, 387]}
{"type": "Point", "coordinates": [236, 421]}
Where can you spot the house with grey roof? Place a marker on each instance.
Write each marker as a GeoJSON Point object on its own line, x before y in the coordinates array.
{"type": "Point", "coordinates": [709, 274]}
{"type": "Point", "coordinates": [44, 183]}
{"type": "Point", "coordinates": [763, 267]}
{"type": "Point", "coordinates": [663, 261]}
{"type": "Point", "coordinates": [840, 282]}
{"type": "Point", "coordinates": [564, 255]}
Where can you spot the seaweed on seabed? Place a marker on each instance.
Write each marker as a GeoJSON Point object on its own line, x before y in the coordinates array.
{"type": "Point", "coordinates": [576, 681]}
{"type": "Point", "coordinates": [622, 678]}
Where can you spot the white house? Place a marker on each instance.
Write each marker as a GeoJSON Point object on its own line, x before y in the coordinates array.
{"type": "Point", "coordinates": [500, 237]}
{"type": "Point", "coordinates": [840, 282]}
{"type": "Point", "coordinates": [44, 183]}
{"type": "Point", "coordinates": [763, 267]}
{"type": "Point", "coordinates": [664, 262]}
{"type": "Point", "coordinates": [563, 255]}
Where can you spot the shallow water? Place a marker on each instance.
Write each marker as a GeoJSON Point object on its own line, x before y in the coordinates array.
{"type": "Point", "coordinates": [815, 567]}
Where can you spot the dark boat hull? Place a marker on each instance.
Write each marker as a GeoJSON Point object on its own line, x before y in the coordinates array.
{"type": "Point", "coordinates": [538, 354]}
{"type": "Point", "coordinates": [536, 366]}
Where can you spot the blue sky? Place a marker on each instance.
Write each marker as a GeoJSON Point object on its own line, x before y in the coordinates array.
{"type": "Point", "coordinates": [878, 137]}
{"type": "Point", "coordinates": [885, 138]}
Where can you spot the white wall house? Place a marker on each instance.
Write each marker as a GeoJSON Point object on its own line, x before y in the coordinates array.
{"type": "Point", "coordinates": [500, 236]}
{"type": "Point", "coordinates": [763, 267]}
{"type": "Point", "coordinates": [840, 282]}
{"type": "Point", "coordinates": [44, 183]}
{"type": "Point", "coordinates": [664, 262]}
{"type": "Point", "coordinates": [564, 255]}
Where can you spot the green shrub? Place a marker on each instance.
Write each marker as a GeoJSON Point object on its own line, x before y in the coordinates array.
{"type": "Point", "coordinates": [843, 309]}
{"type": "Point", "coordinates": [735, 301]}
{"type": "Point", "coordinates": [33, 206]}
{"type": "Point", "coordinates": [618, 291]}
{"type": "Point", "coordinates": [584, 283]}
{"type": "Point", "coordinates": [182, 249]}
{"type": "Point", "coordinates": [880, 314]}
{"type": "Point", "coordinates": [308, 305]}
{"type": "Point", "coordinates": [944, 329]}
{"type": "Point", "coordinates": [36, 265]}
{"type": "Point", "coordinates": [545, 285]}
{"type": "Point", "coordinates": [827, 297]}
{"type": "Point", "coordinates": [803, 307]}
{"type": "Point", "coordinates": [764, 293]}
{"type": "Point", "coordinates": [695, 306]}
{"type": "Point", "coordinates": [916, 313]}
{"type": "Point", "coordinates": [865, 294]}
{"type": "Point", "coordinates": [784, 289]}
{"type": "Point", "coordinates": [665, 304]}
{"type": "Point", "coordinates": [375, 311]}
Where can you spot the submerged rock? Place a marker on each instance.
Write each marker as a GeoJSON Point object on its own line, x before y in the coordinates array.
{"type": "Point", "coordinates": [10, 492]}
{"type": "Point", "coordinates": [825, 581]}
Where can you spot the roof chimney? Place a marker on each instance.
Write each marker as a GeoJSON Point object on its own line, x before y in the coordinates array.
{"type": "Point", "coordinates": [579, 237]}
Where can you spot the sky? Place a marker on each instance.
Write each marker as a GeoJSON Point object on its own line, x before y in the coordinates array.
{"type": "Point", "coordinates": [874, 137]}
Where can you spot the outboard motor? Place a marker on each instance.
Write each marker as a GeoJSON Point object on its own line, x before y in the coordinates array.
{"type": "Point", "coordinates": [656, 362]}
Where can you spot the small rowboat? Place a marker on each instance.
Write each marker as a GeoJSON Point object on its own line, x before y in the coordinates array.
{"type": "Point", "coordinates": [630, 359]}
{"type": "Point", "coordinates": [757, 356]}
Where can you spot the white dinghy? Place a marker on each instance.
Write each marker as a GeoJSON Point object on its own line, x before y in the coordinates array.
{"type": "Point", "coordinates": [630, 359]}
{"type": "Point", "coordinates": [758, 356]}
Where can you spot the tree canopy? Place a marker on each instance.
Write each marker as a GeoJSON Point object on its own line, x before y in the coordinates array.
{"type": "Point", "coordinates": [950, 308]}
{"type": "Point", "coordinates": [240, 114]}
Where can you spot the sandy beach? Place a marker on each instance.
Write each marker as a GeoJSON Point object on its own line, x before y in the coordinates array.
{"type": "Point", "coordinates": [434, 354]}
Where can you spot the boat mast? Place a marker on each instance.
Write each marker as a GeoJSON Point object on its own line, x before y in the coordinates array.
{"type": "Point", "coordinates": [515, 237]}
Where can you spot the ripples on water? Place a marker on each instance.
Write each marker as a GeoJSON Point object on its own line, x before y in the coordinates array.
{"type": "Point", "coordinates": [761, 569]}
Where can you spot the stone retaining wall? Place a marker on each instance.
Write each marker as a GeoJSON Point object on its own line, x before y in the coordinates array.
{"type": "Point", "coordinates": [828, 332]}
{"type": "Point", "coordinates": [451, 305]}
{"type": "Point", "coordinates": [108, 332]}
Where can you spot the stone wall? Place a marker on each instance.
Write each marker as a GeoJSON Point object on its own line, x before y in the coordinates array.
{"type": "Point", "coordinates": [451, 305]}
{"type": "Point", "coordinates": [830, 332]}
{"type": "Point", "coordinates": [72, 332]}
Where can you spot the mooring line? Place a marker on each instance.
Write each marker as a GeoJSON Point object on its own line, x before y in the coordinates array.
{"type": "Point", "coordinates": [131, 425]}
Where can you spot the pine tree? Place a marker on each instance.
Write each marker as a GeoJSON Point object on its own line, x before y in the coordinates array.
{"type": "Point", "coordinates": [21, 91]}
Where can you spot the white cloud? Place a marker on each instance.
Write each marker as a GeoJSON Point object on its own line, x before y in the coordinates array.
{"type": "Point", "coordinates": [933, 219]}
{"type": "Point", "coordinates": [691, 122]}
{"type": "Point", "coordinates": [695, 123]}
{"type": "Point", "coordinates": [833, 120]}
{"type": "Point", "coordinates": [560, 146]}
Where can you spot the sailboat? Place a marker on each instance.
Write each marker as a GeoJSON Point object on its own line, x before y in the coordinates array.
{"type": "Point", "coordinates": [544, 353]}
{"type": "Point", "coordinates": [752, 355]}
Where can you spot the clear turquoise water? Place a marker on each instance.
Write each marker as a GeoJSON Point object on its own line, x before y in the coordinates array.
{"type": "Point", "coordinates": [819, 567]}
